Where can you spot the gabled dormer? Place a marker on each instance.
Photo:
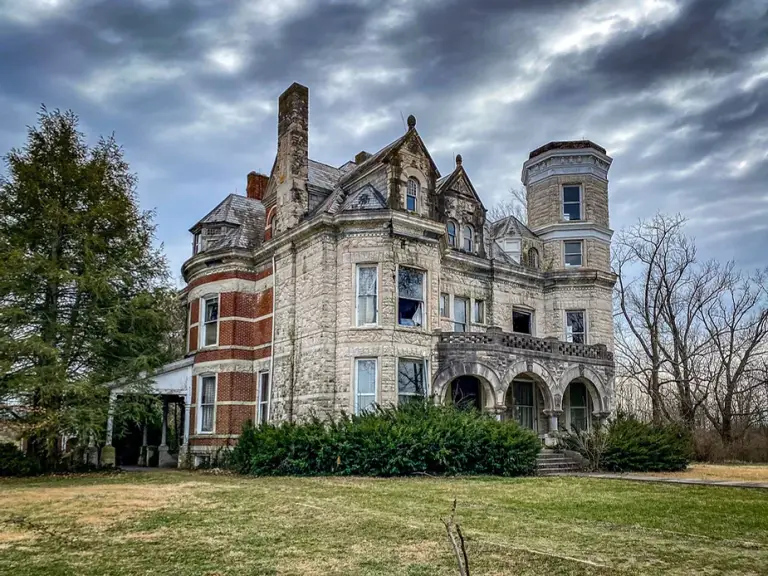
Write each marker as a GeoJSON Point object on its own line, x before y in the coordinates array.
{"type": "Point", "coordinates": [460, 207]}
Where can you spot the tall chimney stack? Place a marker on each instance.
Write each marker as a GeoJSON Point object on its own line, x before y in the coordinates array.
{"type": "Point", "coordinates": [292, 155]}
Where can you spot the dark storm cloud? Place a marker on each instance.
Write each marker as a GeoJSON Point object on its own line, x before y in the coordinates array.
{"type": "Point", "coordinates": [676, 91]}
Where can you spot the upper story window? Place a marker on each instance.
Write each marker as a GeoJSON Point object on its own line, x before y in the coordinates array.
{"type": "Point", "coordinates": [207, 404]}
{"type": "Point", "coordinates": [575, 326]}
{"type": "Point", "coordinates": [367, 295]}
{"type": "Point", "coordinates": [572, 250]}
{"type": "Point", "coordinates": [451, 227]}
{"type": "Point", "coordinates": [412, 194]}
{"type": "Point", "coordinates": [572, 202]}
{"type": "Point", "coordinates": [460, 307]}
{"type": "Point", "coordinates": [444, 304]}
{"type": "Point", "coordinates": [512, 248]}
{"type": "Point", "coordinates": [478, 312]}
{"type": "Point", "coordinates": [210, 311]}
{"type": "Point", "coordinates": [197, 243]}
{"type": "Point", "coordinates": [533, 258]}
{"type": "Point", "coordinates": [468, 238]}
{"type": "Point", "coordinates": [410, 297]}
{"type": "Point", "coordinates": [269, 229]}
{"type": "Point", "coordinates": [522, 321]}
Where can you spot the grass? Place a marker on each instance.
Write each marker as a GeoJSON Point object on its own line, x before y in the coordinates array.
{"type": "Point", "coordinates": [185, 523]}
{"type": "Point", "coordinates": [734, 472]}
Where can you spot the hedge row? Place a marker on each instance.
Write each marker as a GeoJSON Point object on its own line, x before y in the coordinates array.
{"type": "Point", "coordinates": [635, 446]}
{"type": "Point", "coordinates": [13, 462]}
{"type": "Point", "coordinates": [417, 438]}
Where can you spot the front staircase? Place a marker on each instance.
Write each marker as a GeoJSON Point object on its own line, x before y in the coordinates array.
{"type": "Point", "coordinates": [552, 463]}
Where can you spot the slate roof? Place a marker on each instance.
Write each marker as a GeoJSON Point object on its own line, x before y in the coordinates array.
{"type": "Point", "coordinates": [323, 176]}
{"type": "Point", "coordinates": [510, 226]}
{"type": "Point", "coordinates": [242, 222]}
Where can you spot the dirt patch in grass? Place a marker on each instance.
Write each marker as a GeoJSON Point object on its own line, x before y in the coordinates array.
{"type": "Point", "coordinates": [733, 472]}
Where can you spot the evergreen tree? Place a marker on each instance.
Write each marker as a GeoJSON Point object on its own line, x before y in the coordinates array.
{"type": "Point", "coordinates": [84, 296]}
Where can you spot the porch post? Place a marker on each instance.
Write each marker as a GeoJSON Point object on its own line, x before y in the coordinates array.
{"type": "Point", "coordinates": [164, 429]}
{"type": "Point", "coordinates": [110, 419]}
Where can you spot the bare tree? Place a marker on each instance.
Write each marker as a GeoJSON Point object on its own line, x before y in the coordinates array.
{"type": "Point", "coordinates": [736, 323]}
{"type": "Point", "coordinates": [516, 204]}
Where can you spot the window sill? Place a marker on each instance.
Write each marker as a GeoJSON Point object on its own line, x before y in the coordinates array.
{"type": "Point", "coordinates": [366, 327]}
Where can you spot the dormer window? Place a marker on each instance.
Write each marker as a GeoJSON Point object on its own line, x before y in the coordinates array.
{"type": "Point", "coordinates": [572, 202]}
{"type": "Point", "coordinates": [512, 248]}
{"type": "Point", "coordinates": [533, 258]}
{"type": "Point", "coordinates": [412, 193]}
{"type": "Point", "coordinates": [468, 238]}
{"type": "Point", "coordinates": [451, 234]}
{"type": "Point", "coordinates": [197, 243]}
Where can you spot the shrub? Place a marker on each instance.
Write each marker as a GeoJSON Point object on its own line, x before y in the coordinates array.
{"type": "Point", "coordinates": [417, 438]}
{"type": "Point", "coordinates": [13, 462]}
{"type": "Point", "coordinates": [633, 445]}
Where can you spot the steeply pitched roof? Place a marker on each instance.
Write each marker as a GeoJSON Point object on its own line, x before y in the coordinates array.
{"type": "Point", "coordinates": [242, 221]}
{"type": "Point", "coordinates": [322, 175]}
{"type": "Point", "coordinates": [510, 226]}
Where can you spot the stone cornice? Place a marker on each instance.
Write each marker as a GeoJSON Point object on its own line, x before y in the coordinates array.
{"type": "Point", "coordinates": [574, 229]}
{"type": "Point", "coordinates": [564, 162]}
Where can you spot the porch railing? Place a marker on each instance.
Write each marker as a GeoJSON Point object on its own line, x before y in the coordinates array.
{"type": "Point", "coordinates": [515, 341]}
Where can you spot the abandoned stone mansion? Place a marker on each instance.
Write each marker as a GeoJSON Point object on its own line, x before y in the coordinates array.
{"type": "Point", "coordinates": [326, 289]}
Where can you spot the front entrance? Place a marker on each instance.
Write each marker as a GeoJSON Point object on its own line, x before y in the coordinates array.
{"type": "Point", "coordinates": [467, 392]}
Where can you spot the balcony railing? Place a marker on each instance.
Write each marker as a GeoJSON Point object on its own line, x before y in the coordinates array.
{"type": "Point", "coordinates": [526, 342]}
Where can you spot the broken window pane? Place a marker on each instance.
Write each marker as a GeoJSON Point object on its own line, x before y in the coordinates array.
{"type": "Point", "coordinates": [410, 288]}
{"type": "Point", "coordinates": [572, 202]}
{"type": "Point", "coordinates": [574, 327]}
{"type": "Point", "coordinates": [573, 253]}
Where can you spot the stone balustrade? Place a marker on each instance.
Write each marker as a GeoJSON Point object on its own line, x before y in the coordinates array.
{"type": "Point", "coordinates": [495, 338]}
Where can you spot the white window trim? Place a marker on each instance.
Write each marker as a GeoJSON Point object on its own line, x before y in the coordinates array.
{"type": "Point", "coordinates": [583, 259]}
{"type": "Point", "coordinates": [378, 292]}
{"type": "Point", "coordinates": [261, 401]}
{"type": "Point", "coordinates": [424, 301]}
{"type": "Point", "coordinates": [427, 378]}
{"type": "Point", "coordinates": [375, 382]}
{"type": "Point", "coordinates": [199, 411]}
{"type": "Point", "coordinates": [535, 407]}
{"type": "Point", "coordinates": [467, 313]}
{"type": "Point", "coordinates": [581, 202]}
{"type": "Point", "coordinates": [586, 323]}
{"type": "Point", "coordinates": [201, 321]}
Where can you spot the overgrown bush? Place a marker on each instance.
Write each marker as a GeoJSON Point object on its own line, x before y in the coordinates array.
{"type": "Point", "coordinates": [630, 445]}
{"type": "Point", "coordinates": [417, 438]}
{"type": "Point", "coordinates": [13, 462]}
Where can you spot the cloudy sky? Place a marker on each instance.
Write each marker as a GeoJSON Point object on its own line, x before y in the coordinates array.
{"type": "Point", "coordinates": [676, 90]}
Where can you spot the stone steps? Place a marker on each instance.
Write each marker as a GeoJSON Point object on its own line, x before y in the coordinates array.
{"type": "Point", "coordinates": [552, 463]}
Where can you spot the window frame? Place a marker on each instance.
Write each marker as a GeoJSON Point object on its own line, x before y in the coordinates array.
{"type": "Point", "coordinates": [358, 268]}
{"type": "Point", "coordinates": [581, 253]}
{"type": "Point", "coordinates": [528, 407]}
{"type": "Point", "coordinates": [531, 321]}
{"type": "Point", "coordinates": [585, 333]}
{"type": "Point", "coordinates": [200, 405]}
{"type": "Point", "coordinates": [424, 315]}
{"type": "Point", "coordinates": [464, 229]}
{"type": "Point", "coordinates": [533, 257]}
{"type": "Point", "coordinates": [356, 376]}
{"type": "Point", "coordinates": [261, 402]}
{"type": "Point", "coordinates": [197, 242]}
{"type": "Point", "coordinates": [580, 202]}
{"type": "Point", "coordinates": [445, 311]}
{"type": "Point", "coordinates": [467, 312]}
{"type": "Point", "coordinates": [455, 236]}
{"type": "Point", "coordinates": [425, 375]}
{"type": "Point", "coordinates": [203, 325]}
{"type": "Point", "coordinates": [415, 195]}
{"type": "Point", "coordinates": [515, 255]}
{"type": "Point", "coordinates": [475, 319]}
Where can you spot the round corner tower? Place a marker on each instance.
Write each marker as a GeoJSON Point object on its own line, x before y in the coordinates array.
{"type": "Point", "coordinates": [567, 191]}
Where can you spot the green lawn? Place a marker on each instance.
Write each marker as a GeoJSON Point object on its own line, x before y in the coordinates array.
{"type": "Point", "coordinates": [191, 523]}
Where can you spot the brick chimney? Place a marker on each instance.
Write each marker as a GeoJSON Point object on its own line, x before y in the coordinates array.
{"type": "Point", "coordinates": [257, 185]}
{"type": "Point", "coordinates": [293, 155]}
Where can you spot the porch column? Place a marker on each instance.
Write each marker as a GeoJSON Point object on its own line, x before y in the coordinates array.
{"type": "Point", "coordinates": [164, 428]}
{"type": "Point", "coordinates": [187, 402]}
{"type": "Point", "coordinates": [110, 419]}
{"type": "Point", "coordinates": [553, 416]}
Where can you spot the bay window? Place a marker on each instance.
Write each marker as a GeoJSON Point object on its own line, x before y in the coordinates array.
{"type": "Point", "coordinates": [206, 404]}
{"type": "Point", "coordinates": [411, 379]}
{"type": "Point", "coordinates": [210, 315]}
{"type": "Point", "coordinates": [366, 378]}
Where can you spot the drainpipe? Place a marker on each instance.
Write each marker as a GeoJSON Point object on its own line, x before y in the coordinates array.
{"type": "Point", "coordinates": [272, 346]}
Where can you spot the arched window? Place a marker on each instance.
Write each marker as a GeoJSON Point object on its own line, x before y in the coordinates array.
{"type": "Point", "coordinates": [270, 227]}
{"type": "Point", "coordinates": [451, 234]}
{"type": "Point", "coordinates": [533, 258]}
{"type": "Point", "coordinates": [468, 240]}
{"type": "Point", "coordinates": [412, 194]}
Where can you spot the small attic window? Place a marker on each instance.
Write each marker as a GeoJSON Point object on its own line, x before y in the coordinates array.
{"type": "Point", "coordinates": [412, 194]}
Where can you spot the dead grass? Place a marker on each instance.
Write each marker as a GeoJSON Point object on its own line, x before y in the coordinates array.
{"type": "Point", "coordinates": [186, 523]}
{"type": "Point", "coordinates": [733, 472]}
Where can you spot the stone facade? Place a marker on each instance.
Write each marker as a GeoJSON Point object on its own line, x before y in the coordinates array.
{"type": "Point", "coordinates": [356, 290]}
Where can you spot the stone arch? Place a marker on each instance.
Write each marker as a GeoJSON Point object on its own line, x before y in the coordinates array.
{"type": "Point", "coordinates": [539, 373]}
{"type": "Point", "coordinates": [594, 382]}
{"type": "Point", "coordinates": [486, 375]}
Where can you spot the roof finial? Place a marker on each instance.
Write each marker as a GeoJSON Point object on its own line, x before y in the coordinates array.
{"type": "Point", "coordinates": [411, 122]}
{"type": "Point", "coordinates": [458, 160]}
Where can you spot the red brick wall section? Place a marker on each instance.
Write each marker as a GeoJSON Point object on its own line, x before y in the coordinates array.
{"type": "Point", "coordinates": [195, 313]}
{"type": "Point", "coordinates": [230, 418]}
{"type": "Point", "coordinates": [193, 340]}
{"type": "Point", "coordinates": [236, 387]}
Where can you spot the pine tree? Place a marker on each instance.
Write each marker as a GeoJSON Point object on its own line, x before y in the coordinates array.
{"type": "Point", "coordinates": [84, 294]}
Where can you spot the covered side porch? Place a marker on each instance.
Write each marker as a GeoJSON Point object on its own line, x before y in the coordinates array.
{"type": "Point", "coordinates": [544, 384]}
